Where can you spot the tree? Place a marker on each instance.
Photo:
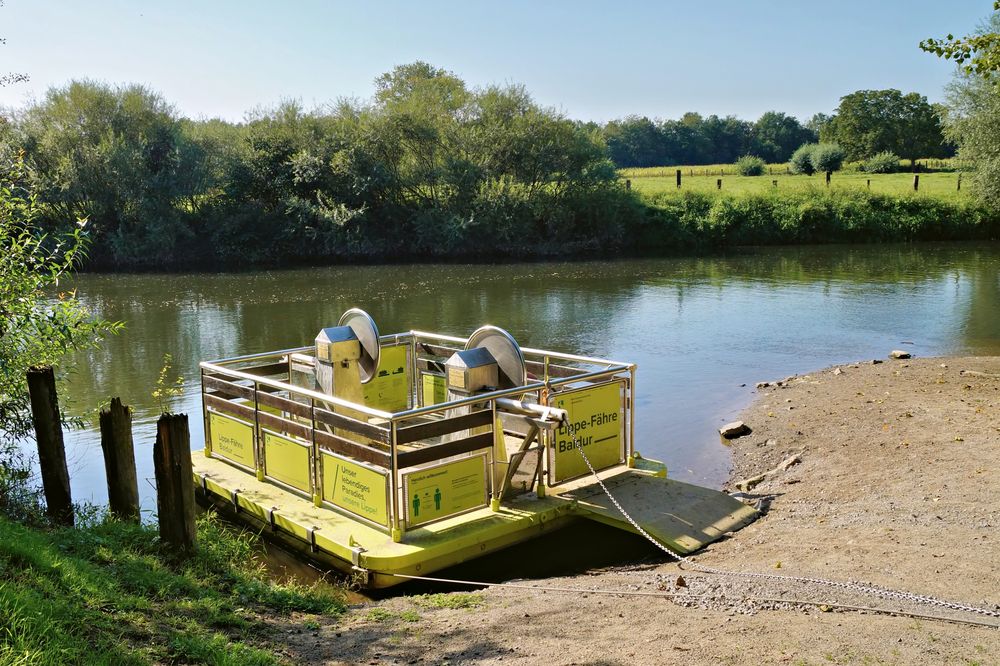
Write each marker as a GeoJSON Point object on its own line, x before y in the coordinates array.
{"type": "Point", "coordinates": [872, 121]}
{"type": "Point", "coordinates": [777, 135]}
{"type": "Point", "coordinates": [38, 324]}
{"type": "Point", "coordinates": [109, 155]}
{"type": "Point", "coordinates": [978, 53]}
{"type": "Point", "coordinates": [973, 123]}
{"type": "Point", "coordinates": [635, 142]}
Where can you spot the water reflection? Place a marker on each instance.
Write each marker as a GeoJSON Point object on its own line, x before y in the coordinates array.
{"type": "Point", "coordinates": [703, 330]}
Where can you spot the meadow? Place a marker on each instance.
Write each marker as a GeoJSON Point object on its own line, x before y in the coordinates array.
{"type": "Point", "coordinates": [661, 180]}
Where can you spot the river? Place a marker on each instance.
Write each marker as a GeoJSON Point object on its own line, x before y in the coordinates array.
{"type": "Point", "coordinates": [702, 330]}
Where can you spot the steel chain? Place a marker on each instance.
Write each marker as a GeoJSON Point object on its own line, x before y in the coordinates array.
{"type": "Point", "coordinates": [851, 586]}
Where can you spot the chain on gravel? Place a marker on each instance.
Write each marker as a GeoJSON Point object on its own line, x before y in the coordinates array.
{"type": "Point", "coordinates": [871, 590]}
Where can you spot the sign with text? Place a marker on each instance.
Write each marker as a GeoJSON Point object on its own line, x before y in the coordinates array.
{"type": "Point", "coordinates": [389, 389]}
{"type": "Point", "coordinates": [287, 460]}
{"type": "Point", "coordinates": [445, 490]}
{"type": "Point", "coordinates": [231, 439]}
{"type": "Point", "coordinates": [356, 488]}
{"type": "Point", "coordinates": [435, 389]}
{"type": "Point", "coordinates": [596, 420]}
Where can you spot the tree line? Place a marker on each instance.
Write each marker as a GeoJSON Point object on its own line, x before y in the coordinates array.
{"type": "Point", "coordinates": [866, 123]}
{"type": "Point", "coordinates": [426, 168]}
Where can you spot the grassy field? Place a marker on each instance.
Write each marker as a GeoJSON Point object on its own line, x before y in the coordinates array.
{"type": "Point", "coordinates": [663, 180]}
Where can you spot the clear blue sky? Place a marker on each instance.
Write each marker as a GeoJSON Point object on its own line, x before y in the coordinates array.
{"type": "Point", "coordinates": [591, 60]}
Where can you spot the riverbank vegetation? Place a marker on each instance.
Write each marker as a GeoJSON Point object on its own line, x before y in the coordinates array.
{"type": "Point", "coordinates": [107, 593]}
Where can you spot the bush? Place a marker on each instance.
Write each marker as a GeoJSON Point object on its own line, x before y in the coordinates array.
{"type": "Point", "coordinates": [750, 165]}
{"type": "Point", "coordinates": [801, 161]}
{"type": "Point", "coordinates": [827, 157]}
{"type": "Point", "coordinates": [884, 162]}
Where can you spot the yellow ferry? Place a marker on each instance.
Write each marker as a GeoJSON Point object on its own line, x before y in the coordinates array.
{"type": "Point", "coordinates": [399, 455]}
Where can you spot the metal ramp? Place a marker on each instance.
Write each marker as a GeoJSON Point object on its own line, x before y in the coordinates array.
{"type": "Point", "coordinates": [682, 516]}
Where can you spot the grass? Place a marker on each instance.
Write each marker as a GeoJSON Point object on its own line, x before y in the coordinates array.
{"type": "Point", "coordinates": [107, 594]}
{"type": "Point", "coordinates": [941, 185]}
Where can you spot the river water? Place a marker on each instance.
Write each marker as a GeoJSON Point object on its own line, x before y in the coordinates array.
{"type": "Point", "coordinates": [702, 330]}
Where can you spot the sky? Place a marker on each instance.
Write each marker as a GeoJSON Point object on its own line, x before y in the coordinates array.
{"type": "Point", "coordinates": [590, 60]}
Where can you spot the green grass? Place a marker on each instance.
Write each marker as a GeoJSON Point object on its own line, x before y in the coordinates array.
{"type": "Point", "coordinates": [107, 594]}
{"type": "Point", "coordinates": [449, 600]}
{"type": "Point", "coordinates": [938, 184]}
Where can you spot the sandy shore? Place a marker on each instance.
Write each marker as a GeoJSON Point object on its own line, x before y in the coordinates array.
{"type": "Point", "coordinates": [892, 477]}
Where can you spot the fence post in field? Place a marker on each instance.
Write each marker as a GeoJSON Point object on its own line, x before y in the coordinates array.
{"type": "Point", "coordinates": [869, 183]}
{"type": "Point", "coordinates": [774, 183]}
{"type": "Point", "coordinates": [51, 449]}
{"type": "Point", "coordinates": [678, 179]}
{"type": "Point", "coordinates": [628, 184]}
{"type": "Point", "coordinates": [828, 174]}
{"type": "Point", "coordinates": [718, 184]}
{"type": "Point", "coordinates": [119, 460]}
{"type": "Point", "coordinates": [174, 482]}
{"type": "Point", "coordinates": [959, 182]}
{"type": "Point", "coordinates": [916, 182]}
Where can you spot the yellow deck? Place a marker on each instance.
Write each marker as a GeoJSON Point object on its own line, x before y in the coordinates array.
{"type": "Point", "coordinates": [682, 516]}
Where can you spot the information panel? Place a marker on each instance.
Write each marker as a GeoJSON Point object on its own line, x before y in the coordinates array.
{"type": "Point", "coordinates": [445, 490]}
{"type": "Point", "coordinates": [287, 460]}
{"type": "Point", "coordinates": [231, 439]}
{"type": "Point", "coordinates": [435, 389]}
{"type": "Point", "coordinates": [389, 389]}
{"type": "Point", "coordinates": [595, 418]}
{"type": "Point", "coordinates": [356, 488]}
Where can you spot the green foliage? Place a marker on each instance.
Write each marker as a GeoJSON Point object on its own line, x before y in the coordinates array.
{"type": "Point", "coordinates": [871, 121]}
{"type": "Point", "coordinates": [450, 600]}
{"type": "Point", "coordinates": [884, 162]}
{"type": "Point", "coordinates": [699, 220]}
{"type": "Point", "coordinates": [801, 160]}
{"type": "Point", "coordinates": [693, 139]}
{"type": "Point", "coordinates": [826, 157]}
{"type": "Point", "coordinates": [166, 388]}
{"type": "Point", "coordinates": [39, 323]}
{"type": "Point", "coordinates": [974, 125]}
{"type": "Point", "coordinates": [105, 593]}
{"type": "Point", "coordinates": [978, 54]}
{"type": "Point", "coordinates": [750, 165]}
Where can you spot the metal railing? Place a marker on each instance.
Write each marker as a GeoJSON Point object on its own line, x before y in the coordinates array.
{"type": "Point", "coordinates": [314, 429]}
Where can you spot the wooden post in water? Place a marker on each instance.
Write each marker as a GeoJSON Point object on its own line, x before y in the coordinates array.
{"type": "Point", "coordinates": [718, 184]}
{"type": "Point", "coordinates": [678, 179]}
{"type": "Point", "coordinates": [828, 174]}
{"type": "Point", "coordinates": [916, 182]}
{"type": "Point", "coordinates": [119, 460]}
{"type": "Point", "coordinates": [174, 482]}
{"type": "Point", "coordinates": [51, 450]}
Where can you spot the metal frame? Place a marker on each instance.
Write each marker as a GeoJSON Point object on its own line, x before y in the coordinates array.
{"type": "Point", "coordinates": [238, 372]}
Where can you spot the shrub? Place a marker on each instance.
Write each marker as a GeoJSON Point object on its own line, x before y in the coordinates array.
{"type": "Point", "coordinates": [884, 162]}
{"type": "Point", "coordinates": [801, 161]}
{"type": "Point", "coordinates": [827, 157]}
{"type": "Point", "coordinates": [750, 165]}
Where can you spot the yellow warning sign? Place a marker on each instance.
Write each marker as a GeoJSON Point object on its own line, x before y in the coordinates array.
{"type": "Point", "coordinates": [595, 419]}
{"type": "Point", "coordinates": [287, 460]}
{"type": "Point", "coordinates": [231, 439]}
{"type": "Point", "coordinates": [435, 390]}
{"type": "Point", "coordinates": [361, 490]}
{"type": "Point", "coordinates": [444, 490]}
{"type": "Point", "coordinates": [389, 389]}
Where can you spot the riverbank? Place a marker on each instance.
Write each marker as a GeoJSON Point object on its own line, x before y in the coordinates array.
{"type": "Point", "coordinates": [894, 484]}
